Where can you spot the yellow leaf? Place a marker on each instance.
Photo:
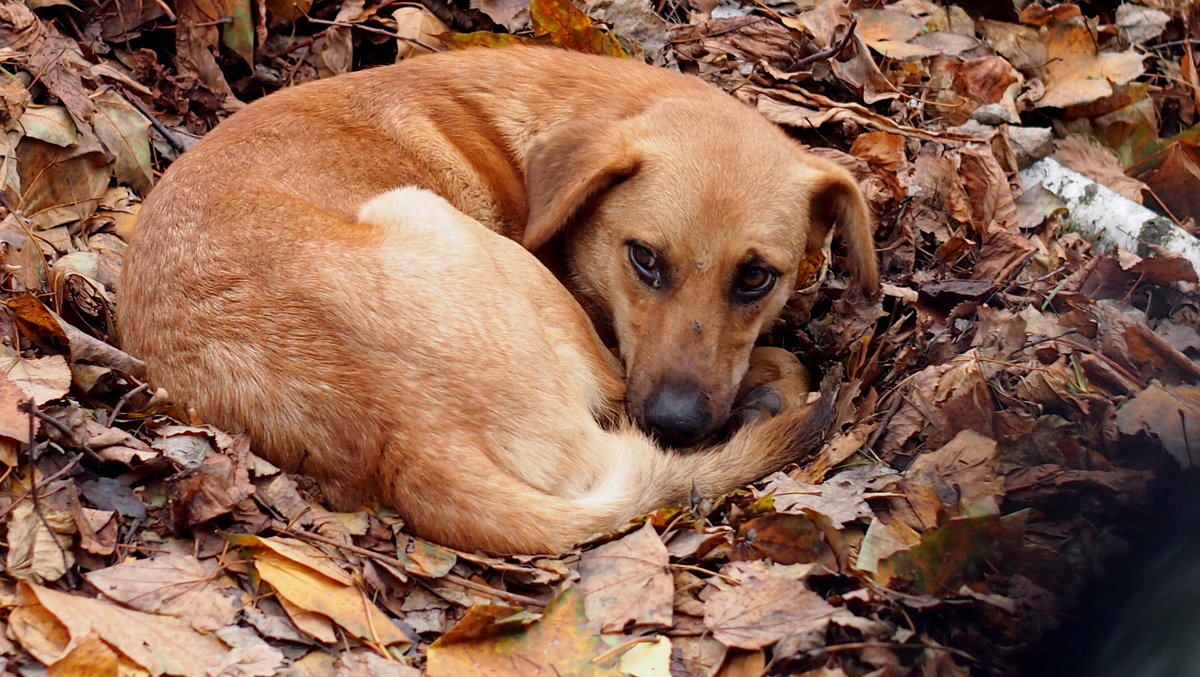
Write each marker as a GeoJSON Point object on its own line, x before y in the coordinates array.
{"type": "Point", "coordinates": [312, 591]}
{"type": "Point", "coordinates": [297, 551]}
{"type": "Point", "coordinates": [1076, 74]}
{"type": "Point", "coordinates": [570, 28]}
{"type": "Point", "coordinates": [490, 641]}
{"type": "Point", "coordinates": [647, 660]}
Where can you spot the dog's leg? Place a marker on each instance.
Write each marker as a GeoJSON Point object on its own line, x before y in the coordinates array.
{"type": "Point", "coordinates": [775, 382]}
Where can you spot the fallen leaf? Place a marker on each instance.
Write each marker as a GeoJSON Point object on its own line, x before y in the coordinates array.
{"type": "Point", "coordinates": [838, 499]}
{"type": "Point", "coordinates": [764, 607]}
{"type": "Point", "coordinates": [14, 423]}
{"type": "Point", "coordinates": [125, 133]}
{"type": "Point", "coordinates": [1169, 414]}
{"type": "Point", "coordinates": [314, 592]}
{"type": "Point", "coordinates": [968, 463]}
{"type": "Point", "coordinates": [952, 554]}
{"type": "Point", "coordinates": [882, 540]}
{"type": "Point", "coordinates": [39, 540]}
{"type": "Point", "coordinates": [1076, 72]}
{"type": "Point", "coordinates": [49, 623]}
{"type": "Point", "coordinates": [498, 640]}
{"type": "Point", "coordinates": [210, 490]}
{"type": "Point", "coordinates": [569, 27]}
{"type": "Point", "coordinates": [171, 585]}
{"type": "Point", "coordinates": [418, 25]}
{"type": "Point", "coordinates": [628, 582]}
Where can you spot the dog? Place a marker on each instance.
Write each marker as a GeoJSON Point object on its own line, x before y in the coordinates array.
{"type": "Point", "coordinates": [678, 216]}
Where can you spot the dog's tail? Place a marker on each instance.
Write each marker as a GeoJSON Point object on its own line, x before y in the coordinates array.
{"type": "Point", "coordinates": [489, 509]}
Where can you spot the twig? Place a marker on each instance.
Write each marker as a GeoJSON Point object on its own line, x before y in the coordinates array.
{"type": "Point", "coordinates": [392, 561]}
{"type": "Point", "coordinates": [372, 29]}
{"type": "Point", "coordinates": [829, 52]}
{"type": "Point", "coordinates": [28, 408]}
{"type": "Point", "coordinates": [63, 471]}
{"type": "Point", "coordinates": [112, 417]}
{"type": "Point", "coordinates": [158, 126]}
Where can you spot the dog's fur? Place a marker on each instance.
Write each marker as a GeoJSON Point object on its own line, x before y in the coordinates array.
{"type": "Point", "coordinates": [251, 291]}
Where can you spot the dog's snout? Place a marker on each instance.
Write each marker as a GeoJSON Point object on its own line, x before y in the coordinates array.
{"type": "Point", "coordinates": [677, 414]}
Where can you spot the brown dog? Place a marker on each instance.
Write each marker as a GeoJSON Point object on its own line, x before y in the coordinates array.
{"type": "Point", "coordinates": [252, 292]}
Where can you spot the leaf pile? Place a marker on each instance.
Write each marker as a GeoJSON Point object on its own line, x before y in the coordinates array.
{"type": "Point", "coordinates": [1010, 402]}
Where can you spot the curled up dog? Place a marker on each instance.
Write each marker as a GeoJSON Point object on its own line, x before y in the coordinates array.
{"type": "Point", "coordinates": [416, 354]}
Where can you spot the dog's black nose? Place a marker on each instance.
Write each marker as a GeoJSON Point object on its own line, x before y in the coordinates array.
{"type": "Point", "coordinates": [676, 414]}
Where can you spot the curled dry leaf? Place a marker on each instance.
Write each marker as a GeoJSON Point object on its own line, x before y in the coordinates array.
{"type": "Point", "coordinates": [627, 582]}
{"type": "Point", "coordinates": [304, 578]}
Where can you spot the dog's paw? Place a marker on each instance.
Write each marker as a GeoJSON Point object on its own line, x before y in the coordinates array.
{"type": "Point", "coordinates": [758, 404]}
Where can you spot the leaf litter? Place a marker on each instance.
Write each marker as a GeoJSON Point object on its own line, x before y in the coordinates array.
{"type": "Point", "coordinates": [1011, 402]}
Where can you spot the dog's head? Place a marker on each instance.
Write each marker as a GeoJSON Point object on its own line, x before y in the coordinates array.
{"type": "Point", "coordinates": [686, 227]}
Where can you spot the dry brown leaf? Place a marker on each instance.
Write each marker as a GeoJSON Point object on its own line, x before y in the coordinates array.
{"type": "Point", "coordinates": [56, 59]}
{"type": "Point", "coordinates": [196, 41]}
{"type": "Point", "coordinates": [508, 13]}
{"type": "Point", "coordinates": [39, 540]}
{"type": "Point", "coordinates": [628, 581]}
{"type": "Point", "coordinates": [839, 498]}
{"type": "Point", "coordinates": [305, 583]}
{"type": "Point", "coordinates": [1170, 414]}
{"type": "Point", "coordinates": [419, 25]}
{"type": "Point", "coordinates": [765, 606]}
{"type": "Point", "coordinates": [97, 529]}
{"type": "Point", "coordinates": [966, 462]}
{"type": "Point", "coordinates": [125, 133]}
{"type": "Point", "coordinates": [211, 490]}
{"type": "Point", "coordinates": [1099, 163]}
{"type": "Point", "coordinates": [41, 378]}
{"type": "Point", "coordinates": [15, 424]}
{"type": "Point", "coordinates": [882, 540]}
{"type": "Point", "coordinates": [171, 585]}
{"type": "Point", "coordinates": [49, 624]}
{"type": "Point", "coordinates": [61, 185]}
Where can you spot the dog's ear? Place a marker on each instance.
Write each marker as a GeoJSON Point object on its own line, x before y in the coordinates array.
{"type": "Point", "coordinates": [833, 198]}
{"type": "Point", "coordinates": [569, 165]}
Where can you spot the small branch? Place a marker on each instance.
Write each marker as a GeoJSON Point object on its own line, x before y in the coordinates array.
{"type": "Point", "coordinates": [832, 51]}
{"type": "Point", "coordinates": [372, 29]}
{"type": "Point", "coordinates": [158, 126]}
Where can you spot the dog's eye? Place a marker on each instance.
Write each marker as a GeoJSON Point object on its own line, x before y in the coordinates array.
{"type": "Point", "coordinates": [753, 282]}
{"type": "Point", "coordinates": [646, 262]}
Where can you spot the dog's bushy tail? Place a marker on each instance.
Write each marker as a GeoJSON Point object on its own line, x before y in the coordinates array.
{"type": "Point", "coordinates": [484, 507]}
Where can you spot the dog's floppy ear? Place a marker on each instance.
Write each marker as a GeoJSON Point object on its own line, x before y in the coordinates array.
{"type": "Point", "coordinates": [833, 197]}
{"type": "Point", "coordinates": [567, 166]}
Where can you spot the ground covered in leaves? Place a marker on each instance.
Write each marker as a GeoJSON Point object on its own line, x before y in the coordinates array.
{"type": "Point", "coordinates": [1009, 407]}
